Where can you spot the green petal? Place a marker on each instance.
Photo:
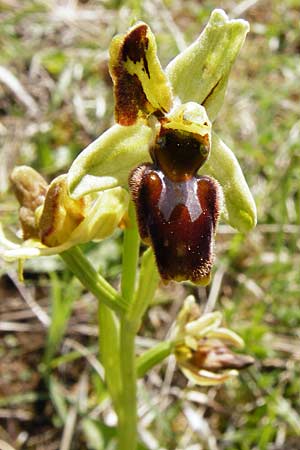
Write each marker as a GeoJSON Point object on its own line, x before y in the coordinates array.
{"type": "Point", "coordinates": [103, 216]}
{"type": "Point", "coordinates": [107, 162]}
{"type": "Point", "coordinates": [227, 336]}
{"type": "Point", "coordinates": [140, 85]}
{"type": "Point", "coordinates": [239, 206]}
{"type": "Point", "coordinates": [200, 73]}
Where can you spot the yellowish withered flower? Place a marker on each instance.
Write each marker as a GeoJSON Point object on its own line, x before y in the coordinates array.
{"type": "Point", "coordinates": [202, 347]}
{"type": "Point", "coordinates": [52, 221]}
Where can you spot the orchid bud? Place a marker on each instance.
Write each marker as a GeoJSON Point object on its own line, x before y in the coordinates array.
{"type": "Point", "coordinates": [64, 219]}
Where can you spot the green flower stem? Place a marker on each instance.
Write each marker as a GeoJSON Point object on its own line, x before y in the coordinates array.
{"type": "Point", "coordinates": [128, 412]}
{"type": "Point", "coordinates": [153, 356]}
{"type": "Point", "coordinates": [128, 401]}
{"type": "Point", "coordinates": [92, 280]}
{"type": "Point", "coordinates": [131, 246]}
{"type": "Point", "coordinates": [148, 282]}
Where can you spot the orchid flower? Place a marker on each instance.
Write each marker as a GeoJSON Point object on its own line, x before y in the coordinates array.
{"type": "Point", "coordinates": [181, 174]}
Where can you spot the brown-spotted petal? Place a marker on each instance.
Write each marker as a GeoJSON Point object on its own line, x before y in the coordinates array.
{"type": "Point", "coordinates": [140, 85]}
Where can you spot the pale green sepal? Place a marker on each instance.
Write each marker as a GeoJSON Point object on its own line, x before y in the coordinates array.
{"type": "Point", "coordinates": [239, 206]}
{"type": "Point", "coordinates": [200, 73]}
{"type": "Point", "coordinates": [107, 162]}
{"type": "Point", "coordinates": [11, 251]}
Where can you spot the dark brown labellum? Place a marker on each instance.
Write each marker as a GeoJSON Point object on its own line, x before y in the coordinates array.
{"type": "Point", "coordinates": [178, 218]}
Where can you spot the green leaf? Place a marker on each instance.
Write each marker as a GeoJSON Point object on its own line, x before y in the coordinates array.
{"type": "Point", "coordinates": [200, 73]}
{"type": "Point", "coordinates": [98, 435]}
{"type": "Point", "coordinates": [239, 206]}
{"type": "Point", "coordinates": [107, 162]}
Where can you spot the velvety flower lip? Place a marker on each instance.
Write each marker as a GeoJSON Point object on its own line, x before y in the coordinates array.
{"type": "Point", "coordinates": [202, 346]}
{"type": "Point", "coordinates": [145, 95]}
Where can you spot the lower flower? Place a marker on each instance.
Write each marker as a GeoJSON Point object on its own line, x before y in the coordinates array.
{"type": "Point", "coordinates": [202, 347]}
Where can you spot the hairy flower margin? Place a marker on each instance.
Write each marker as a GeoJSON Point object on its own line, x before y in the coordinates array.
{"type": "Point", "coordinates": [201, 346]}
{"type": "Point", "coordinates": [89, 202]}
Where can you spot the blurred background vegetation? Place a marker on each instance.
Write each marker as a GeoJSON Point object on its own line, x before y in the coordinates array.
{"type": "Point", "coordinates": [55, 98]}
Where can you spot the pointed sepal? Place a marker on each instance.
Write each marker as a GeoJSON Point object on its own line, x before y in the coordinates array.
{"type": "Point", "coordinates": [200, 73]}
{"type": "Point", "coordinates": [107, 161]}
